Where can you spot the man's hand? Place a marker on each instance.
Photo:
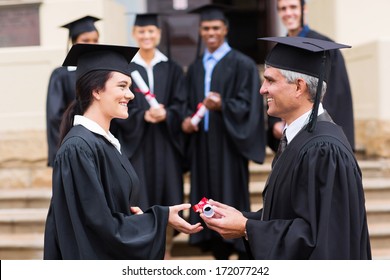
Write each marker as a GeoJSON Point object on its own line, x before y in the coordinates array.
{"type": "Point", "coordinates": [213, 101]}
{"type": "Point", "coordinates": [188, 127]}
{"type": "Point", "coordinates": [227, 221]}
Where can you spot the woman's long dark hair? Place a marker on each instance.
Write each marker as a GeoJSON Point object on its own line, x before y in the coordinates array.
{"type": "Point", "coordinates": [85, 85]}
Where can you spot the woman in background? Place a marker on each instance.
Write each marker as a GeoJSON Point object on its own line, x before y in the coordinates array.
{"type": "Point", "coordinates": [62, 84]}
{"type": "Point", "coordinates": [152, 137]}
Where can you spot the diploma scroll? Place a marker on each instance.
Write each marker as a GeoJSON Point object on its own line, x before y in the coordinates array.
{"type": "Point", "coordinates": [143, 87]}
{"type": "Point", "coordinates": [199, 114]}
{"type": "Point", "coordinates": [205, 207]}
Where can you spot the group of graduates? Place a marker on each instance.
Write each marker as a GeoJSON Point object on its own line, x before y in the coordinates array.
{"type": "Point", "coordinates": [118, 165]}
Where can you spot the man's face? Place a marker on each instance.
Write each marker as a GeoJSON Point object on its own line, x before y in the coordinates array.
{"type": "Point", "coordinates": [290, 13]}
{"type": "Point", "coordinates": [213, 33]}
{"type": "Point", "coordinates": [280, 95]}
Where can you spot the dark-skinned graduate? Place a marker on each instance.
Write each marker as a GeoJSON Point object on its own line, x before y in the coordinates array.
{"type": "Point", "coordinates": [230, 134]}
{"type": "Point", "coordinates": [313, 202]}
{"type": "Point", "coordinates": [94, 211]}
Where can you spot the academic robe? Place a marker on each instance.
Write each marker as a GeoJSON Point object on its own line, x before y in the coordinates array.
{"type": "Point", "coordinates": [219, 158]}
{"type": "Point", "coordinates": [156, 150]}
{"type": "Point", "coordinates": [314, 205]}
{"type": "Point", "coordinates": [60, 93]}
{"type": "Point", "coordinates": [338, 97]}
{"type": "Point", "coordinates": [89, 215]}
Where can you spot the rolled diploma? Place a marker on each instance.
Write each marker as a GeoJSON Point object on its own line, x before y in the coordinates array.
{"type": "Point", "coordinates": [199, 114]}
{"type": "Point", "coordinates": [144, 89]}
{"type": "Point", "coordinates": [208, 210]}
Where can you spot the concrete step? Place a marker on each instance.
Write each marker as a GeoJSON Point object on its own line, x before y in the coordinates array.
{"type": "Point", "coordinates": [23, 212]}
{"type": "Point", "coordinates": [378, 211]}
{"type": "Point", "coordinates": [380, 238]}
{"type": "Point", "coordinates": [376, 188]}
{"type": "Point", "coordinates": [30, 246]}
{"type": "Point", "coordinates": [22, 220]}
{"type": "Point", "coordinates": [25, 198]}
{"type": "Point", "coordinates": [27, 246]}
{"type": "Point", "coordinates": [182, 250]}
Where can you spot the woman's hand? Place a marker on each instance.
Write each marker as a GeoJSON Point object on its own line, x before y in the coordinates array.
{"type": "Point", "coordinates": [156, 115]}
{"type": "Point", "coordinates": [178, 223]}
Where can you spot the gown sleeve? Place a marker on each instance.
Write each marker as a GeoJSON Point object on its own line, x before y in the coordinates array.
{"type": "Point", "coordinates": [89, 224]}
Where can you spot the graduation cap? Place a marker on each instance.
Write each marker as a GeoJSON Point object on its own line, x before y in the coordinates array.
{"type": "Point", "coordinates": [91, 57]}
{"type": "Point", "coordinates": [81, 25]}
{"type": "Point", "coordinates": [211, 12]}
{"type": "Point", "coordinates": [304, 55]}
{"type": "Point", "coordinates": [146, 19]}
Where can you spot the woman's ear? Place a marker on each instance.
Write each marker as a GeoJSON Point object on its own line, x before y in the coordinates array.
{"type": "Point", "coordinates": [96, 94]}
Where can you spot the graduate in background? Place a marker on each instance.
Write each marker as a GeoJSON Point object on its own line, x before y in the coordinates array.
{"type": "Point", "coordinates": [93, 212]}
{"type": "Point", "coordinates": [151, 137]}
{"type": "Point", "coordinates": [62, 84]}
{"type": "Point", "coordinates": [227, 82]}
{"type": "Point", "coordinates": [338, 99]}
{"type": "Point", "coordinates": [313, 202]}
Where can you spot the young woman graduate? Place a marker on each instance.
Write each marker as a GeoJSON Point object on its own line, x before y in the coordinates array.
{"type": "Point", "coordinates": [62, 84]}
{"type": "Point", "coordinates": [93, 213]}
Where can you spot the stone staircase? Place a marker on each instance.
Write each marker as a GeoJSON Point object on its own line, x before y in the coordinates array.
{"type": "Point", "coordinates": [24, 204]}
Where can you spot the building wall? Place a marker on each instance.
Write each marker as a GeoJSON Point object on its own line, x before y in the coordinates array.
{"type": "Point", "coordinates": [25, 71]}
{"type": "Point", "coordinates": [364, 26]}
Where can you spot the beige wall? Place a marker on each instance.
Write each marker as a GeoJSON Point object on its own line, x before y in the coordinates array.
{"type": "Point", "coordinates": [364, 26]}
{"type": "Point", "coordinates": [25, 71]}
{"type": "Point", "coordinates": [351, 21]}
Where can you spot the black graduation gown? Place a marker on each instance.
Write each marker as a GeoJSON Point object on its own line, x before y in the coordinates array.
{"type": "Point", "coordinates": [89, 215]}
{"type": "Point", "coordinates": [314, 205]}
{"type": "Point", "coordinates": [219, 158]}
{"type": "Point", "coordinates": [156, 150]}
{"type": "Point", "coordinates": [338, 98]}
{"type": "Point", "coordinates": [61, 92]}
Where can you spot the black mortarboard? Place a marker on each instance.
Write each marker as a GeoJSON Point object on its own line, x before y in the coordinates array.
{"type": "Point", "coordinates": [304, 55]}
{"type": "Point", "coordinates": [146, 19]}
{"type": "Point", "coordinates": [91, 57]}
{"type": "Point", "coordinates": [81, 25]}
{"type": "Point", "coordinates": [211, 12]}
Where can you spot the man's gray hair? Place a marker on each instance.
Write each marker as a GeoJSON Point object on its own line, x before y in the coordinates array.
{"type": "Point", "coordinates": [312, 82]}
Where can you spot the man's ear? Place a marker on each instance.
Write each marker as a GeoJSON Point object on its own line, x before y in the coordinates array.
{"type": "Point", "coordinates": [301, 87]}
